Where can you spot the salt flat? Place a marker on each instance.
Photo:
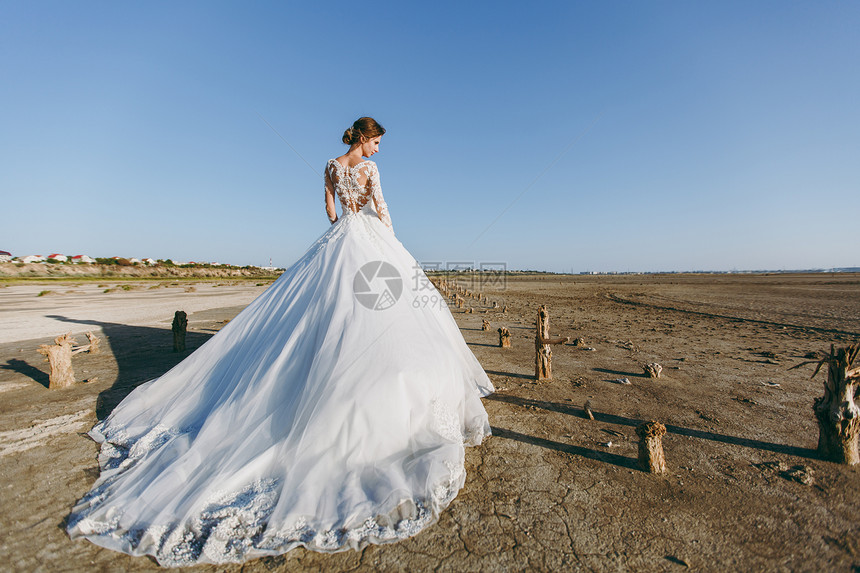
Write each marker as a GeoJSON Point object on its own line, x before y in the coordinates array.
{"type": "Point", "coordinates": [79, 307]}
{"type": "Point", "coordinates": [550, 490]}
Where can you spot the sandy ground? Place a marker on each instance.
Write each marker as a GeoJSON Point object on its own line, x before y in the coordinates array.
{"type": "Point", "coordinates": [547, 492]}
{"type": "Point", "coordinates": [79, 307]}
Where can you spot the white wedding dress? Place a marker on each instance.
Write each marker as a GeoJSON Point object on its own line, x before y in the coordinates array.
{"type": "Point", "coordinates": [332, 412]}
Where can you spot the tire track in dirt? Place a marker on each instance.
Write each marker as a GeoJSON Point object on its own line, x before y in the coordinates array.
{"type": "Point", "coordinates": [622, 300]}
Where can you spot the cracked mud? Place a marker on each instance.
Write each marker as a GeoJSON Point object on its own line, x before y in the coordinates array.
{"type": "Point", "coordinates": [745, 489]}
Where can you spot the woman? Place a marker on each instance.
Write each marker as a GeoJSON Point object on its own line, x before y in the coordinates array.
{"type": "Point", "coordinates": [332, 412]}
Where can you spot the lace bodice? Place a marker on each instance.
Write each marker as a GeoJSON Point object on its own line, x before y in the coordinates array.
{"type": "Point", "coordinates": [355, 186]}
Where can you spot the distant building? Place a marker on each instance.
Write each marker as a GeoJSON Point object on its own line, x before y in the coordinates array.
{"type": "Point", "coordinates": [149, 262]}
{"type": "Point", "coordinates": [134, 261]}
{"type": "Point", "coordinates": [59, 257]}
{"type": "Point", "coordinates": [270, 268]}
{"type": "Point", "coordinates": [5, 256]}
{"type": "Point", "coordinates": [82, 259]}
{"type": "Point", "coordinates": [33, 259]}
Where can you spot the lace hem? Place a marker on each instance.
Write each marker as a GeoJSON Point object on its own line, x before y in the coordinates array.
{"type": "Point", "coordinates": [234, 525]}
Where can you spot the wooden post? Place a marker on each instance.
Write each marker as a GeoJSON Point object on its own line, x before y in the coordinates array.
{"type": "Point", "coordinates": [651, 458]}
{"type": "Point", "coordinates": [653, 369]}
{"type": "Point", "coordinates": [180, 326]}
{"type": "Point", "coordinates": [504, 337]}
{"type": "Point", "coordinates": [60, 358]}
{"type": "Point", "coordinates": [543, 352]}
{"type": "Point", "coordinates": [485, 325]}
{"type": "Point", "coordinates": [837, 414]}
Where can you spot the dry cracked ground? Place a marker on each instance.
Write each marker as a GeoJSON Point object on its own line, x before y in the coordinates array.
{"type": "Point", "coordinates": [551, 490]}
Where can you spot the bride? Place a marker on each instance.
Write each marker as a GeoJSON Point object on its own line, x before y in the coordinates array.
{"type": "Point", "coordinates": [330, 413]}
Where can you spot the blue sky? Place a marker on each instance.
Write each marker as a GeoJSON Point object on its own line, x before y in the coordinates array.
{"type": "Point", "coordinates": [562, 136]}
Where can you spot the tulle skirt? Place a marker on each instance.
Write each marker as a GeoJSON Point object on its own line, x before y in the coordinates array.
{"type": "Point", "coordinates": [330, 413]}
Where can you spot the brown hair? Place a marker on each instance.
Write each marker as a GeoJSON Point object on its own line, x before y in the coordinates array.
{"type": "Point", "coordinates": [363, 127]}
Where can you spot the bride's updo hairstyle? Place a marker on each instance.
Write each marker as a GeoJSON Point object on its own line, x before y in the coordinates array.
{"type": "Point", "coordinates": [363, 127]}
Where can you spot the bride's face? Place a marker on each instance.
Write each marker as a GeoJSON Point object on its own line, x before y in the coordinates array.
{"type": "Point", "coordinates": [370, 146]}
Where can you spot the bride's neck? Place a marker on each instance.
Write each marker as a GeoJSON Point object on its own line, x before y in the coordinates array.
{"type": "Point", "coordinates": [354, 153]}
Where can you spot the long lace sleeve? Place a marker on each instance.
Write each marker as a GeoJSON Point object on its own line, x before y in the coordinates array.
{"type": "Point", "coordinates": [378, 200]}
{"type": "Point", "coordinates": [329, 197]}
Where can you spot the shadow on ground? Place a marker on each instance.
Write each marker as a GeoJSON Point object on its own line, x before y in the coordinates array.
{"type": "Point", "coordinates": [620, 373]}
{"type": "Point", "coordinates": [141, 353]}
{"type": "Point", "coordinates": [615, 459]}
{"type": "Point", "coordinates": [25, 368]}
{"type": "Point", "coordinates": [624, 421]}
{"type": "Point", "coordinates": [511, 374]}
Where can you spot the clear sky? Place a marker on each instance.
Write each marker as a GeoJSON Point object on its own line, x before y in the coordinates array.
{"type": "Point", "coordinates": [562, 136]}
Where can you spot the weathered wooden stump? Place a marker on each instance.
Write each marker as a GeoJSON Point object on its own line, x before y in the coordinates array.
{"type": "Point", "coordinates": [837, 413]}
{"type": "Point", "coordinates": [653, 369]}
{"type": "Point", "coordinates": [579, 341]}
{"type": "Point", "coordinates": [495, 304]}
{"type": "Point", "coordinates": [180, 327]}
{"type": "Point", "coordinates": [459, 301]}
{"type": "Point", "coordinates": [504, 337]}
{"type": "Point", "coordinates": [651, 458]}
{"type": "Point", "coordinates": [470, 311]}
{"type": "Point", "coordinates": [60, 357]}
{"type": "Point", "coordinates": [93, 347]}
{"type": "Point", "coordinates": [505, 308]}
{"type": "Point", "coordinates": [587, 409]}
{"type": "Point", "coordinates": [485, 324]}
{"type": "Point", "coordinates": [543, 352]}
